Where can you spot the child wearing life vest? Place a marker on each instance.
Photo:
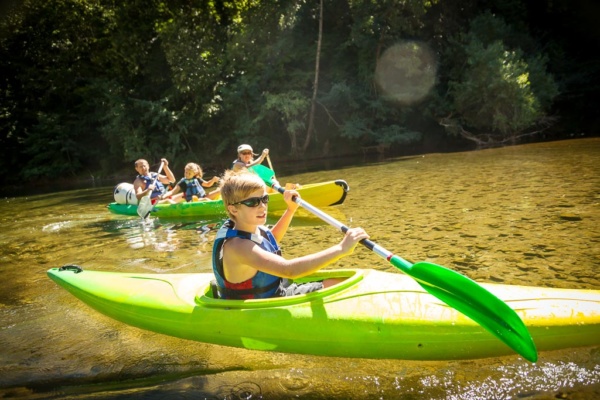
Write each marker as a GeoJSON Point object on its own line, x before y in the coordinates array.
{"type": "Point", "coordinates": [191, 187]}
{"type": "Point", "coordinates": [246, 158]}
{"type": "Point", "coordinates": [151, 182]}
{"type": "Point", "coordinates": [247, 261]}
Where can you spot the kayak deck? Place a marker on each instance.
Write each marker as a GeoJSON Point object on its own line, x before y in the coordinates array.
{"type": "Point", "coordinates": [371, 314]}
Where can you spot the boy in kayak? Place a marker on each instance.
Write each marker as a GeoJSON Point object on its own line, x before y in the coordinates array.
{"type": "Point", "coordinates": [191, 187]}
{"type": "Point", "coordinates": [247, 260]}
{"type": "Point", "coordinates": [145, 181]}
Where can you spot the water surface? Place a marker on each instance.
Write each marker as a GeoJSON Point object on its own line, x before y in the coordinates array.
{"type": "Point", "coordinates": [518, 215]}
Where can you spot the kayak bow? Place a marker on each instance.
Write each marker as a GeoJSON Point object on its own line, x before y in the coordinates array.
{"type": "Point", "coordinates": [370, 314]}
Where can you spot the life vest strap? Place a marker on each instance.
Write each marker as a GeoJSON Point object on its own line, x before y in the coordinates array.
{"type": "Point", "coordinates": [237, 293]}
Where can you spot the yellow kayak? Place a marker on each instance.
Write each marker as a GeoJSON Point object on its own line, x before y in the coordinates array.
{"type": "Point", "coordinates": [321, 194]}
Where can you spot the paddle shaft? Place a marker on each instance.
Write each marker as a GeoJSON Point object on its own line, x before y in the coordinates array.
{"type": "Point", "coordinates": [374, 247]}
{"type": "Point", "coordinates": [160, 168]}
{"type": "Point", "coordinates": [454, 289]}
{"type": "Point", "coordinates": [269, 162]}
{"type": "Point", "coordinates": [143, 208]}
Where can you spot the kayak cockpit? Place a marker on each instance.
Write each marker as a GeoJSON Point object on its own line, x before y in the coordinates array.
{"type": "Point", "coordinates": [350, 278]}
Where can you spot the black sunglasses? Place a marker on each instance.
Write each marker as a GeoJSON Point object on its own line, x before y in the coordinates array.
{"type": "Point", "coordinates": [254, 201]}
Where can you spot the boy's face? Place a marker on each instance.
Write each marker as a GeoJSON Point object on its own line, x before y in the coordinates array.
{"type": "Point", "coordinates": [250, 216]}
{"type": "Point", "coordinates": [142, 167]}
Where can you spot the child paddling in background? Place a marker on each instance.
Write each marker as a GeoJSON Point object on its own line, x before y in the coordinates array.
{"type": "Point", "coordinates": [151, 182]}
{"type": "Point", "coordinates": [191, 187]}
{"type": "Point", "coordinates": [247, 260]}
{"type": "Point", "coordinates": [246, 160]}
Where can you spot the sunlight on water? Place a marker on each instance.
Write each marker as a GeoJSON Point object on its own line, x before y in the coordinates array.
{"type": "Point", "coordinates": [522, 215]}
{"type": "Point", "coordinates": [57, 226]}
{"type": "Point", "coordinates": [544, 378]}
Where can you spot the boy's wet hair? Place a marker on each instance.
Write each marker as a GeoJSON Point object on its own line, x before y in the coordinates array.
{"type": "Point", "coordinates": [141, 160]}
{"type": "Point", "coordinates": [237, 186]}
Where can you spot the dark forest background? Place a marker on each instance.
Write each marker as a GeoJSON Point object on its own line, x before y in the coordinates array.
{"type": "Point", "coordinates": [87, 87]}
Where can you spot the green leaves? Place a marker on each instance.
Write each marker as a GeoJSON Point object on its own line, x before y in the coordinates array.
{"type": "Point", "coordinates": [495, 96]}
{"type": "Point", "coordinates": [105, 83]}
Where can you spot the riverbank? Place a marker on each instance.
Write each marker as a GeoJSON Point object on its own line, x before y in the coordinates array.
{"type": "Point", "coordinates": [283, 165]}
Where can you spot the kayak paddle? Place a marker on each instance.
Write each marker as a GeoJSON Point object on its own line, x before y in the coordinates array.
{"type": "Point", "coordinates": [270, 165]}
{"type": "Point", "coordinates": [454, 289]}
{"type": "Point", "coordinates": [145, 204]}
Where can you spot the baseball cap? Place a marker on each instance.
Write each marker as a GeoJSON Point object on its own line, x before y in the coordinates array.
{"type": "Point", "coordinates": [244, 147]}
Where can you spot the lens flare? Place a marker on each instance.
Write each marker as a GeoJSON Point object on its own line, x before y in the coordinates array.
{"type": "Point", "coordinates": [406, 72]}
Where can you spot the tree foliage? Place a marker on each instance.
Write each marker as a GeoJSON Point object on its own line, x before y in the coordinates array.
{"type": "Point", "coordinates": [88, 86]}
{"type": "Point", "coordinates": [499, 92]}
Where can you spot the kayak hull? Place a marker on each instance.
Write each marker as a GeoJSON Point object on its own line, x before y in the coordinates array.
{"type": "Point", "coordinates": [371, 314]}
{"type": "Point", "coordinates": [319, 194]}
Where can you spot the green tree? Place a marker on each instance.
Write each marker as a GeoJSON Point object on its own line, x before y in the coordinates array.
{"type": "Point", "coordinates": [500, 93]}
{"type": "Point", "coordinates": [88, 86]}
{"type": "Point", "coordinates": [45, 51]}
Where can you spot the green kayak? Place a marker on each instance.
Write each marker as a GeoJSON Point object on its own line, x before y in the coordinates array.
{"type": "Point", "coordinates": [321, 194]}
{"type": "Point", "coordinates": [371, 314]}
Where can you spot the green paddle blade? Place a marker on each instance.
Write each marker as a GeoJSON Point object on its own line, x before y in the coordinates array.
{"type": "Point", "coordinates": [266, 174]}
{"type": "Point", "coordinates": [454, 289]}
{"type": "Point", "coordinates": [468, 297]}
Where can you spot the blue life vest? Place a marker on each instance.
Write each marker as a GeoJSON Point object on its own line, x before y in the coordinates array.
{"type": "Point", "coordinates": [237, 160]}
{"type": "Point", "coordinates": [261, 285]}
{"type": "Point", "coordinates": [192, 187]}
{"type": "Point", "coordinates": [159, 189]}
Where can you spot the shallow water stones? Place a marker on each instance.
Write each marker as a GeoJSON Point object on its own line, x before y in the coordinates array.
{"type": "Point", "coordinates": [526, 268]}
{"type": "Point", "coordinates": [530, 254]}
{"type": "Point", "coordinates": [570, 217]}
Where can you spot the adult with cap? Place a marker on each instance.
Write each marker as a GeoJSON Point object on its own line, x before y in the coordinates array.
{"type": "Point", "coordinates": [246, 157]}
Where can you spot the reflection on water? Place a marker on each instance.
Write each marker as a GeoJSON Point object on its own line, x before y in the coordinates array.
{"type": "Point", "coordinates": [519, 215]}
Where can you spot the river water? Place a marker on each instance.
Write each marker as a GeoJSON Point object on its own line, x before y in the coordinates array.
{"type": "Point", "coordinates": [517, 215]}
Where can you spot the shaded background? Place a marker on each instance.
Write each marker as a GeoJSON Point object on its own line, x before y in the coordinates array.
{"type": "Point", "coordinates": [88, 87]}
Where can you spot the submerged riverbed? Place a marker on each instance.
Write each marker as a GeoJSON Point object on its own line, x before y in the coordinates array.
{"type": "Point", "coordinates": [517, 215]}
